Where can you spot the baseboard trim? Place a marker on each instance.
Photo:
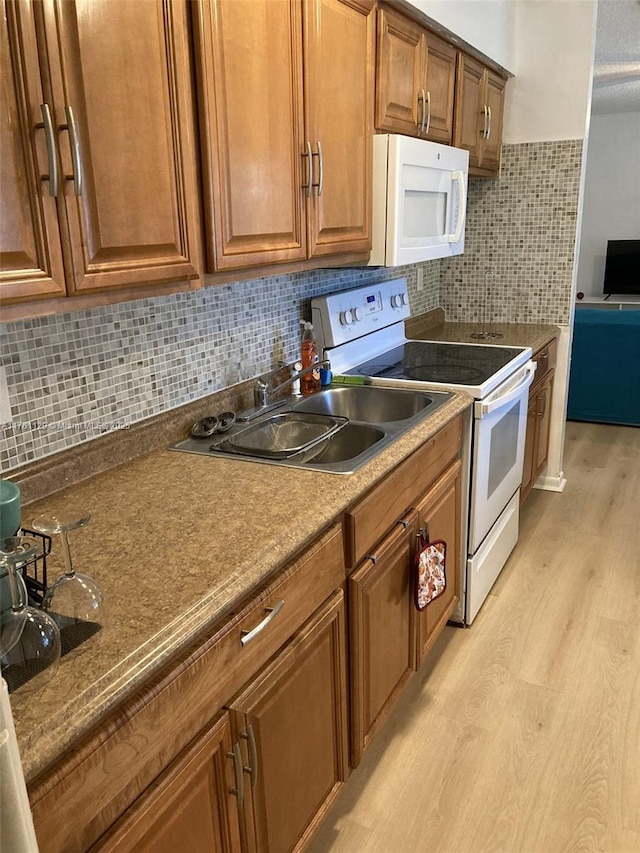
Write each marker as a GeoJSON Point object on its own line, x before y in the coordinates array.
{"type": "Point", "coordinates": [551, 484]}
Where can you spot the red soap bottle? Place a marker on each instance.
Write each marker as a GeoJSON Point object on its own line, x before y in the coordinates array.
{"type": "Point", "coordinates": [310, 383]}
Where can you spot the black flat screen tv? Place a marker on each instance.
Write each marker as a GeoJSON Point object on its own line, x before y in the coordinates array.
{"type": "Point", "coordinates": [622, 267]}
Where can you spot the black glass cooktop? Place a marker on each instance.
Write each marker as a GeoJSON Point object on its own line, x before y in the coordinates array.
{"type": "Point", "coordinates": [427, 361]}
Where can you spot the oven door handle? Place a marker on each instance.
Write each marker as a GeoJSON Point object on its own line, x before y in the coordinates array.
{"type": "Point", "coordinates": [485, 408]}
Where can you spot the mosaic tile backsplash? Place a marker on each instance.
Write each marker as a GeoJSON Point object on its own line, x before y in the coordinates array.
{"type": "Point", "coordinates": [74, 376]}
{"type": "Point", "coordinates": [520, 237]}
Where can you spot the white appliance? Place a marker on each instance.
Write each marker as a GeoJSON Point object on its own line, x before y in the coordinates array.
{"type": "Point", "coordinates": [17, 834]}
{"type": "Point", "coordinates": [419, 200]}
{"type": "Point", "coordinates": [362, 332]}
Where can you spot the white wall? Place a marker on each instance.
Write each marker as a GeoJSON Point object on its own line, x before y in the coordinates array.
{"type": "Point", "coordinates": [488, 25]}
{"type": "Point", "coordinates": [611, 193]}
{"type": "Point", "coordinates": [549, 97]}
{"type": "Point", "coordinates": [547, 44]}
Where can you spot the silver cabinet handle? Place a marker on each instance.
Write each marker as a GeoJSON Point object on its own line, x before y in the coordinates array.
{"type": "Point", "coordinates": [75, 150]}
{"type": "Point", "coordinates": [47, 125]}
{"type": "Point", "coordinates": [424, 110]}
{"type": "Point", "coordinates": [253, 755]}
{"type": "Point", "coordinates": [489, 128]}
{"type": "Point", "coordinates": [484, 118]}
{"type": "Point", "coordinates": [272, 612]}
{"type": "Point", "coordinates": [308, 186]}
{"type": "Point", "coordinates": [426, 130]}
{"type": "Point", "coordinates": [238, 791]}
{"type": "Point", "coordinates": [542, 398]}
{"type": "Point", "coordinates": [320, 183]}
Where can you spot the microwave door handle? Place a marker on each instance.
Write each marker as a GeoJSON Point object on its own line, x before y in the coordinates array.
{"type": "Point", "coordinates": [462, 208]}
{"type": "Point", "coordinates": [486, 408]}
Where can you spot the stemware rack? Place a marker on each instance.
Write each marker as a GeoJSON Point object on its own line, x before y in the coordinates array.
{"type": "Point", "coordinates": [73, 632]}
{"type": "Point", "coordinates": [34, 570]}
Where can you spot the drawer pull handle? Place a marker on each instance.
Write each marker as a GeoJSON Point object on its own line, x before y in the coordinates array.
{"type": "Point", "coordinates": [238, 791]}
{"type": "Point", "coordinates": [47, 125]}
{"type": "Point", "coordinates": [253, 755]}
{"type": "Point", "coordinates": [76, 159]}
{"type": "Point", "coordinates": [320, 183]}
{"type": "Point", "coordinates": [272, 612]}
{"type": "Point", "coordinates": [542, 398]}
{"type": "Point", "coordinates": [308, 186]}
{"type": "Point", "coordinates": [404, 523]}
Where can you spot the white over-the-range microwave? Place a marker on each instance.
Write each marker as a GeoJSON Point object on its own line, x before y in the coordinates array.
{"type": "Point", "coordinates": [419, 200]}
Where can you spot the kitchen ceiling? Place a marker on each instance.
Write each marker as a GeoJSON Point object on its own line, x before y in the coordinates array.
{"type": "Point", "coordinates": [616, 73]}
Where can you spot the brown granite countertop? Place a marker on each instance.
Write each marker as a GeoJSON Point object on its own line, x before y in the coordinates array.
{"type": "Point", "coordinates": [433, 327]}
{"type": "Point", "coordinates": [176, 541]}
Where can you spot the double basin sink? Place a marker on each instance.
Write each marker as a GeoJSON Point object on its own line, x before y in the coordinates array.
{"type": "Point", "coordinates": [336, 430]}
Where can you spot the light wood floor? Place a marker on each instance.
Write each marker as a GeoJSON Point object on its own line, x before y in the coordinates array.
{"type": "Point", "coordinates": [522, 733]}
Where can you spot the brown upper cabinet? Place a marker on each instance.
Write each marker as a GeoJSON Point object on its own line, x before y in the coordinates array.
{"type": "Point", "coordinates": [98, 181]}
{"type": "Point", "coordinates": [415, 79]}
{"type": "Point", "coordinates": [479, 106]}
{"type": "Point", "coordinates": [285, 104]}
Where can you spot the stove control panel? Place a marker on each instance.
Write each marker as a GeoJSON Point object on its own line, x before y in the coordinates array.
{"type": "Point", "coordinates": [339, 318]}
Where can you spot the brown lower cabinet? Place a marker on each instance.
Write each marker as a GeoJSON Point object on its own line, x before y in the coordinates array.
{"type": "Point", "coordinates": [439, 515]}
{"type": "Point", "coordinates": [190, 807]}
{"type": "Point", "coordinates": [244, 741]}
{"type": "Point", "coordinates": [536, 446]}
{"type": "Point", "coordinates": [291, 725]}
{"type": "Point", "coordinates": [267, 768]}
{"type": "Point", "coordinates": [382, 633]}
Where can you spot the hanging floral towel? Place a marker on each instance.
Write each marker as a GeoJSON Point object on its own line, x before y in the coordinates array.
{"type": "Point", "coordinates": [431, 578]}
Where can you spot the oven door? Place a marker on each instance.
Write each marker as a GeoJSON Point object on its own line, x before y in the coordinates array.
{"type": "Point", "coordinates": [500, 422]}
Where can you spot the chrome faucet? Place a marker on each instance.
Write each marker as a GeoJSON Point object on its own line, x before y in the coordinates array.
{"type": "Point", "coordinates": [261, 391]}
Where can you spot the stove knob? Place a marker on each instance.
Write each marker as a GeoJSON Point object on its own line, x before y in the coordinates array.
{"type": "Point", "coordinates": [395, 301]}
{"type": "Point", "coordinates": [403, 299]}
{"type": "Point", "coordinates": [356, 313]}
{"type": "Point", "coordinates": [344, 318]}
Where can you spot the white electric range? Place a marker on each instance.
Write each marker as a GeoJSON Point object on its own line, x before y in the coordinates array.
{"type": "Point", "coordinates": [362, 333]}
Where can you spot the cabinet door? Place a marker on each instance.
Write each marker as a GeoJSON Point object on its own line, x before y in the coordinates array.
{"type": "Point", "coordinates": [529, 448]}
{"type": "Point", "coordinates": [190, 807]}
{"type": "Point", "coordinates": [291, 723]}
{"type": "Point", "coordinates": [491, 144]}
{"type": "Point", "coordinates": [439, 513]}
{"type": "Point", "coordinates": [400, 74]}
{"type": "Point", "coordinates": [543, 412]}
{"type": "Point", "coordinates": [536, 446]}
{"type": "Point", "coordinates": [440, 87]}
{"type": "Point", "coordinates": [121, 84]}
{"type": "Point", "coordinates": [382, 635]}
{"type": "Point", "coordinates": [338, 92]}
{"type": "Point", "coordinates": [249, 65]}
{"type": "Point", "coordinates": [468, 104]}
{"type": "Point", "coordinates": [30, 248]}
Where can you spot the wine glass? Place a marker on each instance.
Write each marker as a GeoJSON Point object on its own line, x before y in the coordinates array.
{"type": "Point", "coordinates": [30, 639]}
{"type": "Point", "coordinates": [74, 600]}
{"type": "Point", "coordinates": [13, 593]}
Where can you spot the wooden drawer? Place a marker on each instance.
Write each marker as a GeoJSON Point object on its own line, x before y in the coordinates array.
{"type": "Point", "coordinates": [545, 358]}
{"type": "Point", "coordinates": [368, 521]}
{"type": "Point", "coordinates": [91, 787]}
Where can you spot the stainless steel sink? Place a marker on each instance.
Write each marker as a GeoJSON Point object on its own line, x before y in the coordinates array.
{"type": "Point", "coordinates": [366, 403]}
{"type": "Point", "coordinates": [376, 418]}
{"type": "Point", "coordinates": [284, 435]}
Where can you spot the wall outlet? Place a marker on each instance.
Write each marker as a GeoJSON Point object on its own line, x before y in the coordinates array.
{"type": "Point", "coordinates": [419, 279]}
{"type": "Point", "coordinates": [5, 405]}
